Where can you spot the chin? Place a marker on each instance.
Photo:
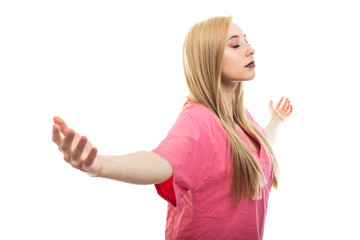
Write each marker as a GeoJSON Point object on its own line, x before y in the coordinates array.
{"type": "Point", "coordinates": [240, 77]}
{"type": "Point", "coordinates": [248, 77]}
{"type": "Point", "coordinates": [251, 75]}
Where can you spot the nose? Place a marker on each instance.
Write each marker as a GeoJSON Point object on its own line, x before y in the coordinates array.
{"type": "Point", "coordinates": [251, 50]}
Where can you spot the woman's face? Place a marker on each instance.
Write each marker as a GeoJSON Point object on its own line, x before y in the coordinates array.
{"type": "Point", "coordinates": [237, 55]}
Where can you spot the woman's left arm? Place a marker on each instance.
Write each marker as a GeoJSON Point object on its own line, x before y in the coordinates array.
{"type": "Point", "coordinates": [278, 116]}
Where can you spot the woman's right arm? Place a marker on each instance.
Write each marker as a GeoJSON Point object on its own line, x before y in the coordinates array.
{"type": "Point", "coordinates": [140, 167]}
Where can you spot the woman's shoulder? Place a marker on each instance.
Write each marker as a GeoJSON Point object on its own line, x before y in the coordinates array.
{"type": "Point", "coordinates": [197, 111]}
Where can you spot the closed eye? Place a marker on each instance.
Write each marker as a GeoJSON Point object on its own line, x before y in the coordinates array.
{"type": "Point", "coordinates": [236, 46]}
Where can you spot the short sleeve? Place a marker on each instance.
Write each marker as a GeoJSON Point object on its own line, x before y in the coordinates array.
{"type": "Point", "coordinates": [257, 125]}
{"type": "Point", "coordinates": [183, 148]}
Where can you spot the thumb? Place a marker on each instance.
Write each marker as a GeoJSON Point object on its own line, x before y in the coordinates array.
{"type": "Point", "coordinates": [271, 108]}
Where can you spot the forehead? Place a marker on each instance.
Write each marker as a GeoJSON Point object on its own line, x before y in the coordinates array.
{"type": "Point", "coordinates": [234, 29]}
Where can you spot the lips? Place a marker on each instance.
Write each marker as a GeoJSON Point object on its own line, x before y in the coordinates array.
{"type": "Point", "coordinates": [252, 62]}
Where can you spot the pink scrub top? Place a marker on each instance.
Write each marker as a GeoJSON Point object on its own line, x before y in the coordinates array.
{"type": "Point", "coordinates": [200, 205]}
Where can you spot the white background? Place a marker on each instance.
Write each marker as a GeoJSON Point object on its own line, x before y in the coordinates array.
{"type": "Point", "coordinates": [113, 71]}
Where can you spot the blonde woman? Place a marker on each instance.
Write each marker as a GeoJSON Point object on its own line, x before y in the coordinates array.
{"type": "Point", "coordinates": [216, 166]}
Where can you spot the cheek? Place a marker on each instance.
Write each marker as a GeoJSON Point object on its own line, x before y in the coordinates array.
{"type": "Point", "coordinates": [231, 64]}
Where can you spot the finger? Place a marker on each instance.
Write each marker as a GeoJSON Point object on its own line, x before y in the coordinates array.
{"type": "Point", "coordinates": [271, 104]}
{"type": "Point", "coordinates": [63, 127]}
{"type": "Point", "coordinates": [285, 103]}
{"type": "Point", "coordinates": [56, 137]}
{"type": "Point", "coordinates": [76, 155]}
{"type": "Point", "coordinates": [90, 159]}
{"type": "Point", "coordinates": [288, 106]}
{"type": "Point", "coordinates": [66, 144]}
{"type": "Point", "coordinates": [279, 103]}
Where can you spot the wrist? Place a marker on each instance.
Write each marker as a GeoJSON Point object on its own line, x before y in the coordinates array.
{"type": "Point", "coordinates": [277, 118]}
{"type": "Point", "coordinates": [99, 162]}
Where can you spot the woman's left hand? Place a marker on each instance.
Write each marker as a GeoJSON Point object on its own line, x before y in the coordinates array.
{"type": "Point", "coordinates": [282, 113]}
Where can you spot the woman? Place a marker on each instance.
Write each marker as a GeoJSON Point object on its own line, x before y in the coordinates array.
{"type": "Point", "coordinates": [216, 166]}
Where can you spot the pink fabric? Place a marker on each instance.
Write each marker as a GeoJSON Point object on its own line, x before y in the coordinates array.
{"type": "Point", "coordinates": [200, 205]}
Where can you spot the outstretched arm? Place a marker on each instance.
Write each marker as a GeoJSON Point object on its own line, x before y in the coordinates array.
{"type": "Point", "coordinates": [278, 116]}
{"type": "Point", "coordinates": [140, 167]}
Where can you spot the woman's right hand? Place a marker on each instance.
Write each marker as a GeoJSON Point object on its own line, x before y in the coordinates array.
{"type": "Point", "coordinates": [77, 150]}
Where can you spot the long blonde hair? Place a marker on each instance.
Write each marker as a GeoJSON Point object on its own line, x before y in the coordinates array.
{"type": "Point", "coordinates": [203, 53]}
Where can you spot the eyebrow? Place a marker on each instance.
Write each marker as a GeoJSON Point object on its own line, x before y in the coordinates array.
{"type": "Point", "coordinates": [235, 36]}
